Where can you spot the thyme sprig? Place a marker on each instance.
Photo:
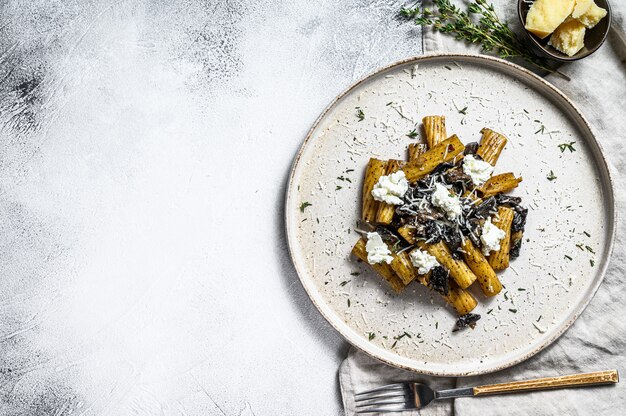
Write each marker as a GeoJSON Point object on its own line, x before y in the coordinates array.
{"type": "Point", "coordinates": [479, 25]}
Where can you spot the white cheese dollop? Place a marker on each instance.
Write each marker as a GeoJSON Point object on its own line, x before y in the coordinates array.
{"type": "Point", "coordinates": [377, 250]}
{"type": "Point", "coordinates": [450, 204]}
{"type": "Point", "coordinates": [423, 261]}
{"type": "Point", "coordinates": [491, 237]}
{"type": "Point", "coordinates": [391, 188]}
{"type": "Point", "coordinates": [479, 170]}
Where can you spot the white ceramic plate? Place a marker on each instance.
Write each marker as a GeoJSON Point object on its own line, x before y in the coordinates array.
{"type": "Point", "coordinates": [570, 228]}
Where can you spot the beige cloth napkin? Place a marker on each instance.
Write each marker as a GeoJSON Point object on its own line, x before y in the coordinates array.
{"type": "Point", "coordinates": [597, 340]}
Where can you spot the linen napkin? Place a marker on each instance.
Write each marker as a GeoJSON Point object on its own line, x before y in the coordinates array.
{"type": "Point", "coordinates": [597, 340]}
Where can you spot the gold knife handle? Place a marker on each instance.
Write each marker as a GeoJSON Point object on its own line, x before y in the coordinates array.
{"type": "Point", "coordinates": [574, 380]}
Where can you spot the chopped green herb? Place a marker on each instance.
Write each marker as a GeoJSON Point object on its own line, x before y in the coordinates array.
{"type": "Point", "coordinates": [539, 319]}
{"type": "Point", "coordinates": [593, 263]}
{"type": "Point", "coordinates": [580, 246]}
{"type": "Point", "coordinates": [304, 220]}
{"type": "Point", "coordinates": [526, 111]}
{"type": "Point", "coordinates": [521, 289]}
{"type": "Point", "coordinates": [586, 233]}
{"type": "Point", "coordinates": [338, 188]}
{"type": "Point", "coordinates": [513, 310]}
{"type": "Point", "coordinates": [589, 249]}
{"type": "Point", "coordinates": [304, 205]}
{"type": "Point", "coordinates": [318, 220]}
{"type": "Point", "coordinates": [371, 336]}
{"type": "Point", "coordinates": [349, 170]}
{"type": "Point", "coordinates": [355, 273]}
{"type": "Point", "coordinates": [567, 146]}
{"type": "Point", "coordinates": [447, 67]}
{"type": "Point", "coordinates": [389, 103]}
{"type": "Point", "coordinates": [551, 176]}
{"type": "Point", "coordinates": [360, 114]}
{"type": "Point", "coordinates": [505, 296]}
{"type": "Point", "coordinates": [345, 282]}
{"type": "Point", "coordinates": [348, 302]}
{"type": "Point", "coordinates": [412, 134]}
{"type": "Point", "coordinates": [568, 257]}
{"type": "Point", "coordinates": [394, 344]}
{"type": "Point", "coordinates": [437, 325]}
{"type": "Point", "coordinates": [463, 111]}
{"type": "Point", "coordinates": [541, 130]}
{"type": "Point", "coordinates": [489, 311]}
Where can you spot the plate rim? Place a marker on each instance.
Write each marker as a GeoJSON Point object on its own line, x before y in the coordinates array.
{"type": "Point", "coordinates": [611, 207]}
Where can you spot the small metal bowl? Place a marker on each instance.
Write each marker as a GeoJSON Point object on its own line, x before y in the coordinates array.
{"type": "Point", "coordinates": [594, 37]}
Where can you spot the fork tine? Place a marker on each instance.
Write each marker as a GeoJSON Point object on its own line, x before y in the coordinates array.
{"type": "Point", "coordinates": [383, 402]}
{"type": "Point", "coordinates": [386, 387]}
{"type": "Point", "coordinates": [384, 395]}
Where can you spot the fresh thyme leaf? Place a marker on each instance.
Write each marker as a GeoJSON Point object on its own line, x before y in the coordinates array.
{"type": "Point", "coordinates": [551, 176]}
{"type": "Point", "coordinates": [412, 134]}
{"type": "Point", "coordinates": [489, 311]}
{"type": "Point", "coordinates": [360, 114]}
{"type": "Point", "coordinates": [345, 282]}
{"type": "Point", "coordinates": [371, 336]}
{"type": "Point", "coordinates": [568, 257]}
{"type": "Point", "coordinates": [513, 310]}
{"type": "Point", "coordinates": [567, 146]}
{"type": "Point", "coordinates": [589, 249]}
{"type": "Point", "coordinates": [478, 25]}
{"type": "Point", "coordinates": [539, 319]}
{"type": "Point", "coordinates": [521, 289]}
{"type": "Point", "coordinates": [304, 205]}
{"type": "Point", "coordinates": [586, 233]}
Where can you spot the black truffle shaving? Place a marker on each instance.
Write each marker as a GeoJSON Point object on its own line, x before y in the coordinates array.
{"type": "Point", "coordinates": [509, 201]}
{"type": "Point", "coordinates": [485, 209]}
{"type": "Point", "coordinates": [471, 149]}
{"type": "Point", "coordinates": [439, 280]}
{"type": "Point", "coordinates": [453, 240]}
{"type": "Point", "coordinates": [516, 245]}
{"type": "Point", "coordinates": [466, 320]}
{"type": "Point", "coordinates": [519, 219]}
{"type": "Point", "coordinates": [395, 242]}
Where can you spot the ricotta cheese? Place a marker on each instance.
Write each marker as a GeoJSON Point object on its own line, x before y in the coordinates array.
{"type": "Point", "coordinates": [377, 250]}
{"type": "Point", "coordinates": [423, 261]}
{"type": "Point", "coordinates": [391, 188]}
{"type": "Point", "coordinates": [491, 237]}
{"type": "Point", "coordinates": [450, 204]}
{"type": "Point", "coordinates": [479, 170]}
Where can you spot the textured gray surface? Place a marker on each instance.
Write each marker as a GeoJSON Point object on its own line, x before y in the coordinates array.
{"type": "Point", "coordinates": [144, 149]}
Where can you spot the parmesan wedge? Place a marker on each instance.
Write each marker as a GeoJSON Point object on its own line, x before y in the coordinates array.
{"type": "Point", "coordinates": [569, 37]}
{"type": "Point", "coordinates": [544, 16]}
{"type": "Point", "coordinates": [581, 7]}
{"type": "Point", "coordinates": [591, 16]}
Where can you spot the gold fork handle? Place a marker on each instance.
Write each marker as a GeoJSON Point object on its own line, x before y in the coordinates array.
{"type": "Point", "coordinates": [574, 380]}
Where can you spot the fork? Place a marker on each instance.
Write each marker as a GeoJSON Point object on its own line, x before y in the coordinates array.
{"type": "Point", "coordinates": [411, 395]}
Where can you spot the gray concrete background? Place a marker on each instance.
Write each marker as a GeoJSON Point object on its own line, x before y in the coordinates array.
{"type": "Point", "coordinates": [144, 150]}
